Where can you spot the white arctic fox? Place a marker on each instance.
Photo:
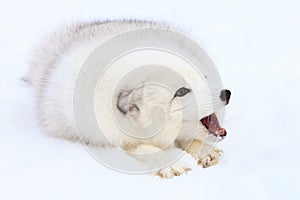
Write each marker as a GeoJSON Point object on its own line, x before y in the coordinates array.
{"type": "Point", "coordinates": [53, 73]}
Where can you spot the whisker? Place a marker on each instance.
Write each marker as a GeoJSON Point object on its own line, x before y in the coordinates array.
{"type": "Point", "coordinates": [179, 108]}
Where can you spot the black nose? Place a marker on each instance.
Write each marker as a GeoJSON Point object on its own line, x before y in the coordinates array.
{"type": "Point", "coordinates": [225, 95]}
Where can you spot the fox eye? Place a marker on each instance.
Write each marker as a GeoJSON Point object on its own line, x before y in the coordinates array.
{"type": "Point", "coordinates": [181, 92]}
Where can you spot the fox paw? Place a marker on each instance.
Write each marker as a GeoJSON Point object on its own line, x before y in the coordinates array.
{"type": "Point", "coordinates": [173, 170]}
{"type": "Point", "coordinates": [211, 158]}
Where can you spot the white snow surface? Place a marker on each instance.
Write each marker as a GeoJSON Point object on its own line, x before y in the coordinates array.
{"type": "Point", "coordinates": [255, 45]}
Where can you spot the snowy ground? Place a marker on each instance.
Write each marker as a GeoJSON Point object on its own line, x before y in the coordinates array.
{"type": "Point", "coordinates": [255, 45]}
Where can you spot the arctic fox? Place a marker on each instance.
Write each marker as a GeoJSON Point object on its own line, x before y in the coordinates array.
{"type": "Point", "coordinates": [53, 73]}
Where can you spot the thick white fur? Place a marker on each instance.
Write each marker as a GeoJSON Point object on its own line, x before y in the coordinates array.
{"type": "Point", "coordinates": [53, 72]}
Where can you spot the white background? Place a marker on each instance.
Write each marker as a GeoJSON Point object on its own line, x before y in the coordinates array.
{"type": "Point", "coordinates": [255, 45]}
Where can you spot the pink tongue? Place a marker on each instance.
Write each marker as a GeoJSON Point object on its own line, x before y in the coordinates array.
{"type": "Point", "coordinates": [212, 124]}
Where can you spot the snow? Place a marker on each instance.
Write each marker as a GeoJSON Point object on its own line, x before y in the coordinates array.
{"type": "Point", "coordinates": [255, 46]}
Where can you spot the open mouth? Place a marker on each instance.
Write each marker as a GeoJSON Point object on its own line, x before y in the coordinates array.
{"type": "Point", "coordinates": [212, 124]}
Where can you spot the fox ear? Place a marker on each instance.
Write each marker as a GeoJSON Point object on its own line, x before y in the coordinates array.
{"type": "Point", "coordinates": [123, 101]}
{"type": "Point", "coordinates": [125, 104]}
